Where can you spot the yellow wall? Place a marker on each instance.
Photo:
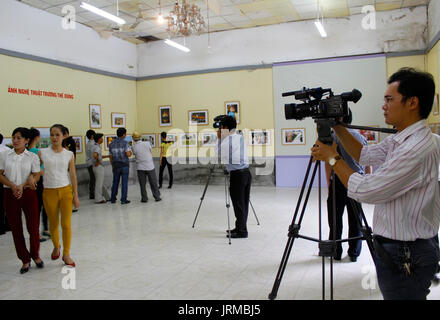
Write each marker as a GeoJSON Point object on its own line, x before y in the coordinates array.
{"type": "Point", "coordinates": [395, 63]}
{"type": "Point", "coordinates": [253, 89]}
{"type": "Point", "coordinates": [114, 95]}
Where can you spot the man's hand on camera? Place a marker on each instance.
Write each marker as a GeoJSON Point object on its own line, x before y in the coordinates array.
{"type": "Point", "coordinates": [323, 152]}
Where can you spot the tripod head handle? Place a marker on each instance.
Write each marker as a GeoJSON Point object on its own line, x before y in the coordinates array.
{"type": "Point", "coordinates": [385, 130]}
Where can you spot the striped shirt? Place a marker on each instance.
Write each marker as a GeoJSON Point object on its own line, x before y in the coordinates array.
{"type": "Point", "coordinates": [233, 152]}
{"type": "Point", "coordinates": [404, 188]}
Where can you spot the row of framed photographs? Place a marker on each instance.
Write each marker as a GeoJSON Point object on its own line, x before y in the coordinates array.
{"type": "Point", "coordinates": [289, 136]}
{"type": "Point", "coordinates": [118, 119]}
{"type": "Point", "coordinates": [195, 117]}
{"type": "Point", "coordinates": [199, 117]}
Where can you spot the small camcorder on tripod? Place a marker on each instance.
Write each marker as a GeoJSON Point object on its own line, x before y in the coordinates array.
{"type": "Point", "coordinates": [326, 113]}
{"type": "Point", "coordinates": [219, 171]}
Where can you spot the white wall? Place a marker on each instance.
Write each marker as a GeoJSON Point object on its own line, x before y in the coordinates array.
{"type": "Point", "coordinates": [397, 31]}
{"type": "Point", "coordinates": [32, 31]}
{"type": "Point", "coordinates": [434, 19]}
{"type": "Point", "coordinates": [341, 75]}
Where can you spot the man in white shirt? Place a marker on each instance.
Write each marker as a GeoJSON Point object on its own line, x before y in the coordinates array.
{"type": "Point", "coordinates": [233, 153]}
{"type": "Point", "coordinates": [3, 223]}
{"type": "Point", "coordinates": [145, 167]}
{"type": "Point", "coordinates": [404, 188]}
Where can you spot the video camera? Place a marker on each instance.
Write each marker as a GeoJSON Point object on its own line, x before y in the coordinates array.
{"type": "Point", "coordinates": [218, 120]}
{"type": "Point", "coordinates": [333, 107]}
{"type": "Point", "coordinates": [326, 112]}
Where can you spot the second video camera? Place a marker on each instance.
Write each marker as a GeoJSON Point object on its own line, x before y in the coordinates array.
{"type": "Point", "coordinates": [318, 108]}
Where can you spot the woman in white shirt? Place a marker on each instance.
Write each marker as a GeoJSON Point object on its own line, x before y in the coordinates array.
{"type": "Point", "coordinates": [19, 172]}
{"type": "Point", "coordinates": [101, 193]}
{"type": "Point", "coordinates": [59, 192]}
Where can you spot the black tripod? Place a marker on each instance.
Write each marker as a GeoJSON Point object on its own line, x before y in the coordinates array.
{"type": "Point", "coordinates": [327, 248]}
{"type": "Point", "coordinates": [227, 198]}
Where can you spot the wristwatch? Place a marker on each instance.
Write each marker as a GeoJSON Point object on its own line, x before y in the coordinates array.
{"type": "Point", "coordinates": [332, 161]}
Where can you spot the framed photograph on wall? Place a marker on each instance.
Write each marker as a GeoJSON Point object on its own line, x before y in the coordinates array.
{"type": "Point", "coordinates": [232, 108]}
{"type": "Point", "coordinates": [118, 120]}
{"type": "Point", "coordinates": [95, 116]}
{"type": "Point", "coordinates": [129, 139]}
{"type": "Point", "coordinates": [107, 140]}
{"type": "Point", "coordinates": [164, 116]}
{"type": "Point", "coordinates": [259, 138]}
{"type": "Point", "coordinates": [79, 143]}
{"type": "Point", "coordinates": [198, 117]}
{"type": "Point", "coordinates": [7, 142]}
{"type": "Point", "coordinates": [44, 138]}
{"type": "Point", "coordinates": [188, 139]}
{"type": "Point", "coordinates": [435, 106]}
{"type": "Point", "coordinates": [371, 136]}
{"type": "Point", "coordinates": [151, 138]}
{"type": "Point", "coordinates": [170, 137]}
{"type": "Point", "coordinates": [293, 136]}
{"type": "Point", "coordinates": [208, 139]}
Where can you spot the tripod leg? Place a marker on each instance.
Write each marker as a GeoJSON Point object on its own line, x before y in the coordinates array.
{"type": "Point", "coordinates": [203, 196]}
{"type": "Point", "coordinates": [227, 207]}
{"type": "Point", "coordinates": [256, 218]}
{"type": "Point", "coordinates": [293, 230]}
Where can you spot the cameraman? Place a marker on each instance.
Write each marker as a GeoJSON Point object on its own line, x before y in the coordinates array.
{"type": "Point", "coordinates": [232, 150]}
{"type": "Point", "coordinates": [404, 187]}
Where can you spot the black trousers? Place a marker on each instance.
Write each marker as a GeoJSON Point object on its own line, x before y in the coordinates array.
{"type": "Point", "coordinates": [41, 210]}
{"type": "Point", "coordinates": [164, 164]}
{"type": "Point", "coordinates": [240, 189]}
{"type": "Point", "coordinates": [354, 229]}
{"type": "Point", "coordinates": [91, 182]}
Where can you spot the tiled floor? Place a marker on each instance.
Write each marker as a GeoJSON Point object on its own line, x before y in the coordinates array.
{"type": "Point", "coordinates": [150, 251]}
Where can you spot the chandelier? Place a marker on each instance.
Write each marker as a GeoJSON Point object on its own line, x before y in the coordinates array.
{"type": "Point", "coordinates": [185, 20]}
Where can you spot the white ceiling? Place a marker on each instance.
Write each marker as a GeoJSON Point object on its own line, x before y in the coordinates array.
{"type": "Point", "coordinates": [234, 14]}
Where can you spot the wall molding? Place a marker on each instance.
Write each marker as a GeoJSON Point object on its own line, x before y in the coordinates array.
{"type": "Point", "coordinates": [26, 56]}
{"type": "Point", "coordinates": [30, 57]}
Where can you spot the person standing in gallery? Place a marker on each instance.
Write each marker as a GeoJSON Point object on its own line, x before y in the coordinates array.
{"type": "Point", "coordinates": [19, 173]}
{"type": "Point", "coordinates": [404, 187]}
{"type": "Point", "coordinates": [101, 194]}
{"type": "Point", "coordinates": [145, 167]}
{"type": "Point", "coordinates": [32, 147]}
{"type": "Point", "coordinates": [231, 147]}
{"type": "Point", "coordinates": [89, 162]}
{"type": "Point", "coordinates": [60, 191]}
{"type": "Point", "coordinates": [342, 201]}
{"type": "Point", "coordinates": [165, 160]}
{"type": "Point", "coordinates": [119, 153]}
{"type": "Point", "coordinates": [3, 223]}
{"type": "Point", "coordinates": [70, 145]}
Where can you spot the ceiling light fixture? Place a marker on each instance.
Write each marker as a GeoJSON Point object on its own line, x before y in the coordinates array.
{"type": "Point", "coordinates": [319, 25]}
{"type": "Point", "coordinates": [102, 13]}
{"type": "Point", "coordinates": [176, 45]}
{"type": "Point", "coordinates": [185, 20]}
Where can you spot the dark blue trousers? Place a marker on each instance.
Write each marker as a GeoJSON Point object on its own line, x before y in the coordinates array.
{"type": "Point", "coordinates": [119, 173]}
